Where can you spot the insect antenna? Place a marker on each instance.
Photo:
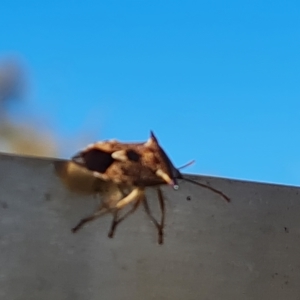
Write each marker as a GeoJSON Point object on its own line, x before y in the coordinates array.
{"type": "Point", "coordinates": [207, 187]}
{"type": "Point", "coordinates": [186, 165]}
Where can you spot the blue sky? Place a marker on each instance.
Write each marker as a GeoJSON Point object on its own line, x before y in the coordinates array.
{"type": "Point", "coordinates": [217, 81]}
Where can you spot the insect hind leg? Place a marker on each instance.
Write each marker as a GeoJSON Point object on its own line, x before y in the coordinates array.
{"type": "Point", "coordinates": [135, 195]}
{"type": "Point", "coordinates": [97, 214]}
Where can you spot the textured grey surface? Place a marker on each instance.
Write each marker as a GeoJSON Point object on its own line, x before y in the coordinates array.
{"type": "Point", "coordinates": [248, 249]}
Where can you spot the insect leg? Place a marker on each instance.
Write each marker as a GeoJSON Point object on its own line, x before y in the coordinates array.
{"type": "Point", "coordinates": [163, 214]}
{"type": "Point", "coordinates": [116, 221]}
{"type": "Point", "coordinates": [159, 227]}
{"type": "Point", "coordinates": [133, 195]}
{"type": "Point", "coordinates": [100, 212]}
{"type": "Point", "coordinates": [113, 225]}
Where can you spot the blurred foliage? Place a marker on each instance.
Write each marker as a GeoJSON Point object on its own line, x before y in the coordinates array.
{"type": "Point", "coordinates": [22, 139]}
{"type": "Point", "coordinates": [19, 138]}
{"type": "Point", "coordinates": [11, 78]}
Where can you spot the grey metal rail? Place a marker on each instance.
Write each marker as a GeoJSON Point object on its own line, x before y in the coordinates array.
{"type": "Point", "coordinates": [248, 249]}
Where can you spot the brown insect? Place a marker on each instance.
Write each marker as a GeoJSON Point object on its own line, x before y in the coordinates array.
{"type": "Point", "coordinates": [125, 170]}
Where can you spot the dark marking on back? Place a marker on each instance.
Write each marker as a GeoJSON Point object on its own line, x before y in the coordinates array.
{"type": "Point", "coordinates": [94, 160]}
{"type": "Point", "coordinates": [133, 155]}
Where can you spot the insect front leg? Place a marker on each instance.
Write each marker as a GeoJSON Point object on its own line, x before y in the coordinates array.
{"type": "Point", "coordinates": [162, 209]}
{"type": "Point", "coordinates": [160, 226]}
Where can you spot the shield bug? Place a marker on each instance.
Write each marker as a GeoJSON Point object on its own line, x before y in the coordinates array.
{"type": "Point", "coordinates": [124, 171]}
